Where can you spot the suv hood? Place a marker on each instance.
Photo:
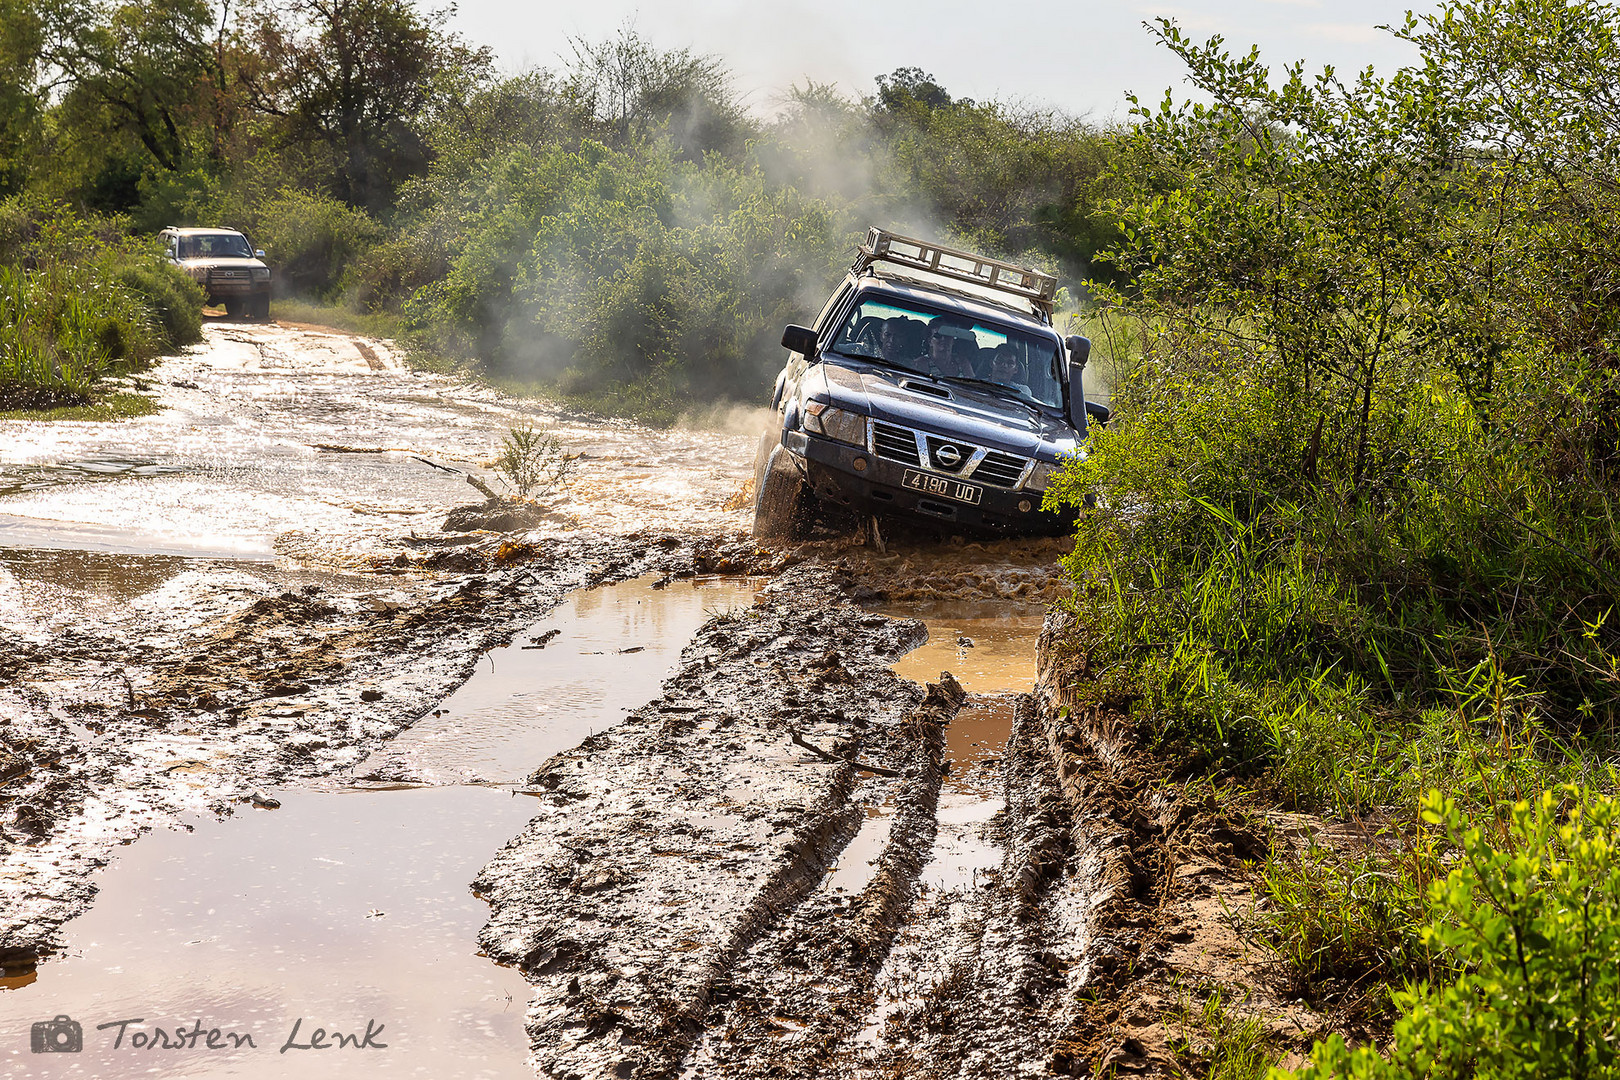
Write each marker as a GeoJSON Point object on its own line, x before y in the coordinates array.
{"type": "Point", "coordinates": [234, 263]}
{"type": "Point", "coordinates": [971, 414]}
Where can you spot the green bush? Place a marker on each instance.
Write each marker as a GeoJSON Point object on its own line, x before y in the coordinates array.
{"type": "Point", "coordinates": [311, 240]}
{"type": "Point", "coordinates": [62, 326]}
{"type": "Point", "coordinates": [1530, 916]}
{"type": "Point", "coordinates": [172, 296]}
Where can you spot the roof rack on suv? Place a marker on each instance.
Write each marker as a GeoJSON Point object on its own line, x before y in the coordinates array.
{"type": "Point", "coordinates": [884, 246]}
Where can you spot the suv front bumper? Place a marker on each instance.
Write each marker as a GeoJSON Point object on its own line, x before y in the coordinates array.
{"type": "Point", "coordinates": [830, 469]}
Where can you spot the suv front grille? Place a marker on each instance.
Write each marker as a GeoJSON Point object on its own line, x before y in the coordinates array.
{"type": "Point", "coordinates": [995, 467]}
{"type": "Point", "coordinates": [1000, 469]}
{"type": "Point", "coordinates": [895, 443]}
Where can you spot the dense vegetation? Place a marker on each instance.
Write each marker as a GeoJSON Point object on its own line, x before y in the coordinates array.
{"type": "Point", "coordinates": [1357, 538]}
{"type": "Point", "coordinates": [620, 228]}
{"type": "Point", "coordinates": [77, 301]}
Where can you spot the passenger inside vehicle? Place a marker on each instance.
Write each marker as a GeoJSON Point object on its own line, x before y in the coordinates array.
{"type": "Point", "coordinates": [900, 340]}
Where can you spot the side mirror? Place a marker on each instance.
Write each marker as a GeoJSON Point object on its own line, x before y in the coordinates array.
{"type": "Point", "coordinates": [258, 253]}
{"type": "Point", "coordinates": [1099, 412]}
{"type": "Point", "coordinates": [799, 339]}
{"type": "Point", "coordinates": [1079, 349]}
{"type": "Point", "coordinates": [1079, 407]}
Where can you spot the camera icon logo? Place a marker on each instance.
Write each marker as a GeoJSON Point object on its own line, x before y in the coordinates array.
{"type": "Point", "coordinates": [62, 1035]}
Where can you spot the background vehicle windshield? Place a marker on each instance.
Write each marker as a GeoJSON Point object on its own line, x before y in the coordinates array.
{"type": "Point", "coordinates": [952, 346]}
{"type": "Point", "coordinates": [215, 246]}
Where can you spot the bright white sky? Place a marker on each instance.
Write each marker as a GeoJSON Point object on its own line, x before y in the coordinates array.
{"type": "Point", "coordinates": [1082, 57]}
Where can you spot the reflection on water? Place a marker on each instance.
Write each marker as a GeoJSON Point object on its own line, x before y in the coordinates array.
{"type": "Point", "coordinates": [268, 429]}
{"type": "Point", "coordinates": [612, 649]}
{"type": "Point", "coordinates": [337, 908]}
{"type": "Point", "coordinates": [988, 647]}
{"type": "Point", "coordinates": [110, 575]}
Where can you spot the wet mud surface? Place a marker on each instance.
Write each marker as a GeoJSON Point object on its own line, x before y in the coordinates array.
{"type": "Point", "coordinates": [840, 814]}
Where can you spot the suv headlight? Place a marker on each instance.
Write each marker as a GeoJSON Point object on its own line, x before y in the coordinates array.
{"type": "Point", "coordinates": [261, 273]}
{"type": "Point", "coordinates": [838, 424]}
{"type": "Point", "coordinates": [1040, 477]}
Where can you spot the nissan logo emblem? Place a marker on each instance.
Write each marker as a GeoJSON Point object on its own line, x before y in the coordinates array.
{"type": "Point", "coordinates": [948, 456]}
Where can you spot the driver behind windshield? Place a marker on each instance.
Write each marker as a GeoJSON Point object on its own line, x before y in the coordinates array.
{"type": "Point", "coordinates": [897, 343]}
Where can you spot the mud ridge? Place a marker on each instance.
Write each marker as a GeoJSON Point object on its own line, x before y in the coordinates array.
{"type": "Point", "coordinates": [887, 897]}
{"type": "Point", "coordinates": [1175, 872]}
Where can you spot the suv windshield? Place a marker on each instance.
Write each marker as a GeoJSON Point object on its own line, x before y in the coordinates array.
{"type": "Point", "coordinates": [953, 347]}
{"type": "Point", "coordinates": [215, 246]}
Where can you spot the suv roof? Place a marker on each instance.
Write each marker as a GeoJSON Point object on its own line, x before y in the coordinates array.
{"type": "Point", "coordinates": [192, 230]}
{"type": "Point", "coordinates": [962, 273]}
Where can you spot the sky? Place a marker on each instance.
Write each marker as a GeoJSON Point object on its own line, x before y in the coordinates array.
{"type": "Point", "coordinates": [1080, 57]}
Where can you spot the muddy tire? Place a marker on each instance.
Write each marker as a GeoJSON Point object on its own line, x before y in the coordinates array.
{"type": "Point", "coordinates": [233, 309]}
{"type": "Point", "coordinates": [259, 308]}
{"type": "Point", "coordinates": [782, 502]}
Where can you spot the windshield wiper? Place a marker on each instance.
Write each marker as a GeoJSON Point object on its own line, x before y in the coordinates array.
{"type": "Point", "coordinates": [988, 384]}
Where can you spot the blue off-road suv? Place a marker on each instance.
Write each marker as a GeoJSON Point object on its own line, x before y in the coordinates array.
{"type": "Point", "coordinates": [931, 387]}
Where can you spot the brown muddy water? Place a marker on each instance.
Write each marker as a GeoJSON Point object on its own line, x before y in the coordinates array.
{"type": "Point", "coordinates": [349, 906]}
{"type": "Point", "coordinates": [551, 687]}
{"type": "Point", "coordinates": [990, 649]}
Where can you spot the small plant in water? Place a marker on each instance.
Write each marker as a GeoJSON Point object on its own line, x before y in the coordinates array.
{"type": "Point", "coordinates": [532, 462]}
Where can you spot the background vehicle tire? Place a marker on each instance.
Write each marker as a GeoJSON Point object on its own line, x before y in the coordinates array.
{"type": "Point", "coordinates": [259, 307]}
{"type": "Point", "coordinates": [782, 503]}
{"type": "Point", "coordinates": [233, 309]}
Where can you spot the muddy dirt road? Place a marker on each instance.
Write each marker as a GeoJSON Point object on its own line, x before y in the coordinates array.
{"type": "Point", "coordinates": [618, 795]}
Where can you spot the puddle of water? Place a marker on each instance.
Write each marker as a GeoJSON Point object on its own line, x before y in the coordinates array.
{"type": "Point", "coordinates": [49, 582]}
{"type": "Point", "coordinates": [348, 908]}
{"type": "Point", "coordinates": [110, 575]}
{"type": "Point", "coordinates": [612, 650]}
{"type": "Point", "coordinates": [16, 478]}
{"type": "Point", "coordinates": [858, 862]}
{"type": "Point", "coordinates": [971, 793]}
{"type": "Point", "coordinates": [339, 909]}
{"type": "Point", "coordinates": [1000, 658]}
{"type": "Point", "coordinates": [202, 542]}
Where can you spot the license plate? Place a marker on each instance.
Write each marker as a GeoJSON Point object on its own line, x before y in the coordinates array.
{"type": "Point", "coordinates": [942, 486]}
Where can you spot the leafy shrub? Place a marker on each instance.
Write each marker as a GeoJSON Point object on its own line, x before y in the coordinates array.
{"type": "Point", "coordinates": [310, 240]}
{"type": "Point", "coordinates": [1530, 915]}
{"type": "Point", "coordinates": [532, 462]}
{"type": "Point", "coordinates": [173, 297]}
{"type": "Point", "coordinates": [62, 326]}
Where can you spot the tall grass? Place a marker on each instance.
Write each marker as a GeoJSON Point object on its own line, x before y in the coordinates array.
{"type": "Point", "coordinates": [62, 326]}
{"type": "Point", "coordinates": [78, 298]}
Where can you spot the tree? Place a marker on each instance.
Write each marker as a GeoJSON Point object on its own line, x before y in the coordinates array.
{"type": "Point", "coordinates": [21, 42]}
{"type": "Point", "coordinates": [360, 80]}
{"type": "Point", "coordinates": [133, 70]}
{"type": "Point", "coordinates": [633, 90]}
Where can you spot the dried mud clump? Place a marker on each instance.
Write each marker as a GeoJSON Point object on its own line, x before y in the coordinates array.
{"type": "Point", "coordinates": [497, 515]}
